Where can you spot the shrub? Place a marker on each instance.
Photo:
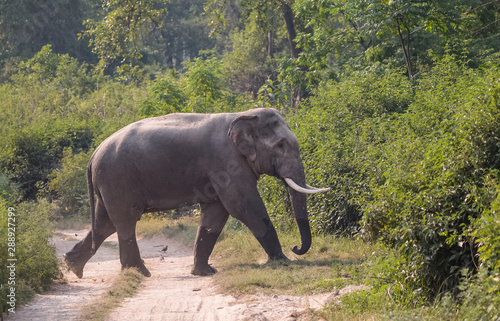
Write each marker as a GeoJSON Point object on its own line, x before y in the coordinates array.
{"type": "Point", "coordinates": [40, 117]}
{"type": "Point", "coordinates": [53, 103]}
{"type": "Point", "coordinates": [36, 264]}
{"type": "Point", "coordinates": [205, 81]}
{"type": "Point", "coordinates": [429, 168]}
{"type": "Point", "coordinates": [166, 95]}
{"type": "Point", "coordinates": [332, 150]}
{"type": "Point", "coordinates": [479, 297]}
{"type": "Point", "coordinates": [247, 65]}
{"type": "Point", "coordinates": [488, 234]}
{"type": "Point", "coordinates": [69, 182]}
{"type": "Point", "coordinates": [411, 160]}
{"type": "Point", "coordinates": [30, 154]}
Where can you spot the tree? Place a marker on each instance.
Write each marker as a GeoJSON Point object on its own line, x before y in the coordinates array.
{"type": "Point", "coordinates": [353, 33]}
{"type": "Point", "coordinates": [27, 26]}
{"type": "Point", "coordinates": [267, 14]}
{"type": "Point", "coordinates": [247, 62]}
{"type": "Point", "coordinates": [119, 34]}
{"type": "Point", "coordinates": [183, 33]}
{"type": "Point", "coordinates": [153, 32]}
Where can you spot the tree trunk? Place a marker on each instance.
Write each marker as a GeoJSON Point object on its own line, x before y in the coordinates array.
{"type": "Point", "coordinates": [270, 44]}
{"type": "Point", "coordinates": [290, 29]}
{"type": "Point", "coordinates": [294, 51]}
{"type": "Point", "coordinates": [406, 51]}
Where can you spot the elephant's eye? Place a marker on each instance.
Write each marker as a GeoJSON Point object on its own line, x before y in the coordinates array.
{"type": "Point", "coordinates": [281, 145]}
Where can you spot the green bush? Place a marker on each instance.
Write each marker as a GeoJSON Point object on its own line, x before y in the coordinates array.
{"type": "Point", "coordinates": [69, 182]}
{"type": "Point", "coordinates": [479, 297]}
{"type": "Point", "coordinates": [36, 264]}
{"type": "Point", "coordinates": [429, 187]}
{"type": "Point", "coordinates": [201, 89]}
{"type": "Point", "coordinates": [166, 95]}
{"type": "Point", "coordinates": [39, 117]}
{"type": "Point", "coordinates": [31, 153]}
{"type": "Point", "coordinates": [488, 238]}
{"type": "Point", "coordinates": [247, 65]}
{"type": "Point", "coordinates": [332, 148]}
{"type": "Point", "coordinates": [412, 161]}
{"type": "Point", "coordinates": [53, 103]}
{"type": "Point", "coordinates": [205, 81]}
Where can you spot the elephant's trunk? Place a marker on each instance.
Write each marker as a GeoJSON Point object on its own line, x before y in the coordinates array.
{"type": "Point", "coordinates": [298, 190]}
{"type": "Point", "coordinates": [299, 205]}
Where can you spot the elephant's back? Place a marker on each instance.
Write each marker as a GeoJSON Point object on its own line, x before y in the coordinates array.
{"type": "Point", "coordinates": [169, 138]}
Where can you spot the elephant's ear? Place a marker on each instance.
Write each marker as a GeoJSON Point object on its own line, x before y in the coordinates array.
{"type": "Point", "coordinates": [242, 132]}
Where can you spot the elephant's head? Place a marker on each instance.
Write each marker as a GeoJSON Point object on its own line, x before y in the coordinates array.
{"type": "Point", "coordinates": [270, 147]}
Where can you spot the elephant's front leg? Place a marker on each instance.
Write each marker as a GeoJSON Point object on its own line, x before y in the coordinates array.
{"type": "Point", "coordinates": [245, 204]}
{"type": "Point", "coordinates": [213, 218]}
{"type": "Point", "coordinates": [265, 233]}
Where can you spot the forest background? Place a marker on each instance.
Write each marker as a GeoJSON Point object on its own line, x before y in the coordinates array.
{"type": "Point", "coordinates": [395, 105]}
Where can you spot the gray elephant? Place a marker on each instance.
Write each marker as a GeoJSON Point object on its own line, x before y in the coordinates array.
{"type": "Point", "coordinates": [176, 160]}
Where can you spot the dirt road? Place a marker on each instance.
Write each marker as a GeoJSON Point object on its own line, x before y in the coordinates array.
{"type": "Point", "coordinates": [171, 293]}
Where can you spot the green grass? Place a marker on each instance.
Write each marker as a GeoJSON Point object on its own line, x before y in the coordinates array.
{"type": "Point", "coordinates": [183, 229]}
{"type": "Point", "coordinates": [125, 285]}
{"type": "Point", "coordinates": [331, 262]}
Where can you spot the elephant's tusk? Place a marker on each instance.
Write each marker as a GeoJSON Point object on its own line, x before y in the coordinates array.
{"type": "Point", "coordinates": [308, 190]}
{"type": "Point", "coordinates": [312, 187]}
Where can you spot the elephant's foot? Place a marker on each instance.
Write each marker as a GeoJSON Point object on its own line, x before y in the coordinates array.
{"type": "Point", "coordinates": [73, 267]}
{"type": "Point", "coordinates": [141, 268]}
{"type": "Point", "coordinates": [279, 257]}
{"type": "Point", "coordinates": [203, 270]}
{"type": "Point", "coordinates": [144, 271]}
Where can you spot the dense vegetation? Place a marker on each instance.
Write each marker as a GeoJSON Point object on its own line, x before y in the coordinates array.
{"type": "Point", "coordinates": [395, 104]}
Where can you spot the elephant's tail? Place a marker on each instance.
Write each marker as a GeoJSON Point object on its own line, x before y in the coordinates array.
{"type": "Point", "coordinates": [90, 187]}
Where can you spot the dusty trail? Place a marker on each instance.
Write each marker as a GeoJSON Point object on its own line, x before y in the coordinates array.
{"type": "Point", "coordinates": [61, 302]}
{"type": "Point", "coordinates": [171, 293]}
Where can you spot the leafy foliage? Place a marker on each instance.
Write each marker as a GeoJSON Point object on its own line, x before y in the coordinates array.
{"type": "Point", "coordinates": [119, 33]}
{"type": "Point", "coordinates": [413, 161]}
{"type": "Point", "coordinates": [36, 264]}
{"type": "Point", "coordinates": [69, 183]}
{"type": "Point", "coordinates": [488, 233]}
{"type": "Point", "coordinates": [331, 146]}
{"type": "Point", "coordinates": [54, 103]}
{"type": "Point", "coordinates": [205, 80]}
{"type": "Point", "coordinates": [401, 118]}
{"type": "Point", "coordinates": [201, 88]}
{"type": "Point", "coordinates": [165, 96]}
{"type": "Point", "coordinates": [247, 63]}
{"type": "Point", "coordinates": [432, 165]}
{"type": "Point", "coordinates": [27, 26]}
{"type": "Point", "coordinates": [360, 33]}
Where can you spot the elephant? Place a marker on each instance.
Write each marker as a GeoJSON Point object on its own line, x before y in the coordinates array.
{"type": "Point", "coordinates": [182, 159]}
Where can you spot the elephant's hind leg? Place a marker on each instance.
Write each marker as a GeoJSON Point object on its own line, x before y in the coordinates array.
{"type": "Point", "coordinates": [129, 250]}
{"type": "Point", "coordinates": [82, 251]}
{"type": "Point", "coordinates": [213, 218]}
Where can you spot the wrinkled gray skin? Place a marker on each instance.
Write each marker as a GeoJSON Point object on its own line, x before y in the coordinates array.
{"type": "Point", "coordinates": [176, 160]}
